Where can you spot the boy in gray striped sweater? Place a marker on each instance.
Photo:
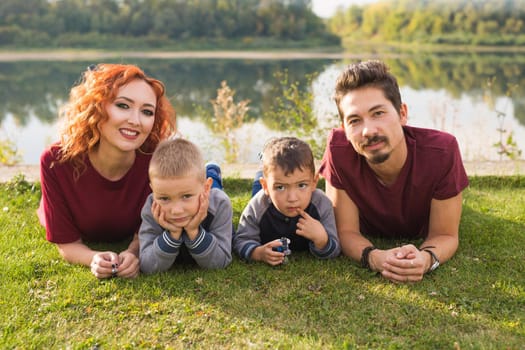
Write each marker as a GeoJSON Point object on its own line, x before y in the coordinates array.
{"type": "Point", "coordinates": [184, 219]}
{"type": "Point", "coordinates": [289, 206]}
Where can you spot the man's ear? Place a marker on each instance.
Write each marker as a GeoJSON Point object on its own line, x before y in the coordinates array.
{"type": "Point", "coordinates": [403, 114]}
{"type": "Point", "coordinates": [316, 179]}
{"type": "Point", "coordinates": [207, 185]}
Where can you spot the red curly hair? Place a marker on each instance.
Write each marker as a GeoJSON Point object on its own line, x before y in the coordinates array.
{"type": "Point", "coordinates": [85, 110]}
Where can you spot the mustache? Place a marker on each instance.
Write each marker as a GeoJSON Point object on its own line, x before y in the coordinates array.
{"type": "Point", "coordinates": [374, 139]}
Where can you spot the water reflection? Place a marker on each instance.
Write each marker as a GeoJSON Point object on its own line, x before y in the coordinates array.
{"type": "Point", "coordinates": [442, 91]}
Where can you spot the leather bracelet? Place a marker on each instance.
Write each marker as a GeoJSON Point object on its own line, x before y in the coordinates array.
{"type": "Point", "coordinates": [434, 261]}
{"type": "Point", "coordinates": [364, 257]}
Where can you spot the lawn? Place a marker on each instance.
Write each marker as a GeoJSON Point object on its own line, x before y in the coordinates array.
{"type": "Point", "coordinates": [474, 301]}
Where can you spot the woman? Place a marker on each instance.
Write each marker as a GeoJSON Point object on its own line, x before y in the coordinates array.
{"type": "Point", "coordinates": [95, 180]}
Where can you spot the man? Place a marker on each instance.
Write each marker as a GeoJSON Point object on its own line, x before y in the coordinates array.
{"type": "Point", "coordinates": [386, 179]}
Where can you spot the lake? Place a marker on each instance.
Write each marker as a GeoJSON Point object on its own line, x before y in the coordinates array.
{"type": "Point", "coordinates": [478, 97]}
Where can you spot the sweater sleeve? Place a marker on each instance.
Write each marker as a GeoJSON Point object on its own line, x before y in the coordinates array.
{"type": "Point", "coordinates": [211, 248]}
{"type": "Point", "coordinates": [327, 219]}
{"type": "Point", "coordinates": [158, 250]}
{"type": "Point", "coordinates": [248, 234]}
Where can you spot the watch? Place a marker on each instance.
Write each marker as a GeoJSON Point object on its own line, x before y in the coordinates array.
{"type": "Point", "coordinates": [364, 257]}
{"type": "Point", "coordinates": [435, 260]}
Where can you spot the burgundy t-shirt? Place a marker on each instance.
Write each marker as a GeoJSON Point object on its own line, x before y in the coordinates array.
{"type": "Point", "coordinates": [91, 208]}
{"type": "Point", "coordinates": [433, 169]}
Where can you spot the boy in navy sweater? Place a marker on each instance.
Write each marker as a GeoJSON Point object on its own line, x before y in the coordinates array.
{"type": "Point", "coordinates": [288, 206]}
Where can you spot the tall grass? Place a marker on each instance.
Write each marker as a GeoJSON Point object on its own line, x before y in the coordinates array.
{"type": "Point", "coordinates": [474, 301]}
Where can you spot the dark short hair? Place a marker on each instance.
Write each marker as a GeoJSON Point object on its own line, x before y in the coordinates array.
{"type": "Point", "coordinates": [288, 153]}
{"type": "Point", "coordinates": [371, 73]}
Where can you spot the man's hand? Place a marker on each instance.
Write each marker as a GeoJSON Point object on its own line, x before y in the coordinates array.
{"type": "Point", "coordinates": [400, 264]}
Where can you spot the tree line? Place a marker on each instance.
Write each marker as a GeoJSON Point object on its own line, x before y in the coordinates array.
{"type": "Point", "coordinates": [197, 24]}
{"type": "Point", "coordinates": [43, 23]}
{"type": "Point", "coordinates": [465, 22]}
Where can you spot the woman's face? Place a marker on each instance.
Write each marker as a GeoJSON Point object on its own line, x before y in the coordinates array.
{"type": "Point", "coordinates": [131, 116]}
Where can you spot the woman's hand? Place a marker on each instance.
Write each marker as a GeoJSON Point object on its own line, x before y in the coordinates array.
{"type": "Point", "coordinates": [129, 266]}
{"type": "Point", "coordinates": [104, 264]}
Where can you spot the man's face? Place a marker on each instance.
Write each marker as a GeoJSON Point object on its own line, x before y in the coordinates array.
{"type": "Point", "coordinates": [372, 125]}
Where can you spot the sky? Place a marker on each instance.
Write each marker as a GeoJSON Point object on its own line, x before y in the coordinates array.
{"type": "Point", "coordinates": [326, 8]}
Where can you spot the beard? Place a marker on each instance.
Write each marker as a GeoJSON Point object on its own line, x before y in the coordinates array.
{"type": "Point", "coordinates": [377, 157]}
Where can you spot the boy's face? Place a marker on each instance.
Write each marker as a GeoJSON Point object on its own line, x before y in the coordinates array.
{"type": "Point", "coordinates": [289, 192]}
{"type": "Point", "coordinates": [178, 197]}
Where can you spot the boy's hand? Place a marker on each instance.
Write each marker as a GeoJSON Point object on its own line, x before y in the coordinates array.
{"type": "Point", "coordinates": [266, 254]}
{"type": "Point", "coordinates": [311, 229]}
{"type": "Point", "coordinates": [160, 217]}
{"type": "Point", "coordinates": [192, 229]}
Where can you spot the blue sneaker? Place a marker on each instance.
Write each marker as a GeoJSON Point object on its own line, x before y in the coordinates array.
{"type": "Point", "coordinates": [213, 170]}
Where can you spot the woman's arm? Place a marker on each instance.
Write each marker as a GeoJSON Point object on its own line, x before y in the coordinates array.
{"type": "Point", "coordinates": [103, 264]}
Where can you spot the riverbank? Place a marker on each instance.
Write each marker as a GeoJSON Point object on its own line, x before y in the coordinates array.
{"type": "Point", "coordinates": [351, 50]}
{"type": "Point", "coordinates": [247, 171]}
{"type": "Point", "coordinates": [86, 55]}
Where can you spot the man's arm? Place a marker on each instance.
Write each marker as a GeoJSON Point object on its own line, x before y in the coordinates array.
{"type": "Point", "coordinates": [347, 222]}
{"type": "Point", "coordinates": [443, 227]}
{"type": "Point", "coordinates": [352, 241]}
{"type": "Point", "coordinates": [395, 264]}
{"type": "Point", "coordinates": [410, 264]}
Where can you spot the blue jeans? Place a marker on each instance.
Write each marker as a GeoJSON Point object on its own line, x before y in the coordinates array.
{"type": "Point", "coordinates": [256, 186]}
{"type": "Point", "coordinates": [213, 170]}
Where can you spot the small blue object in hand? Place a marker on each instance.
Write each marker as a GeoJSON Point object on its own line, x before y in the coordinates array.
{"type": "Point", "coordinates": [283, 248]}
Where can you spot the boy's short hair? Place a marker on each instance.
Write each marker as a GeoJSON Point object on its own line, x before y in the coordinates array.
{"type": "Point", "coordinates": [177, 157]}
{"type": "Point", "coordinates": [288, 153]}
{"type": "Point", "coordinates": [372, 73]}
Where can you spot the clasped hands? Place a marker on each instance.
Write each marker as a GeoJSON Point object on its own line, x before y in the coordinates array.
{"type": "Point", "coordinates": [109, 264]}
{"type": "Point", "coordinates": [401, 264]}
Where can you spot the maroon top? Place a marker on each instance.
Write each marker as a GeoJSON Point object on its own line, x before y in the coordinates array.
{"type": "Point", "coordinates": [433, 169]}
{"type": "Point", "coordinates": [91, 208]}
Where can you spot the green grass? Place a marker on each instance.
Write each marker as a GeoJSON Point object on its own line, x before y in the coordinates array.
{"type": "Point", "coordinates": [474, 301]}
